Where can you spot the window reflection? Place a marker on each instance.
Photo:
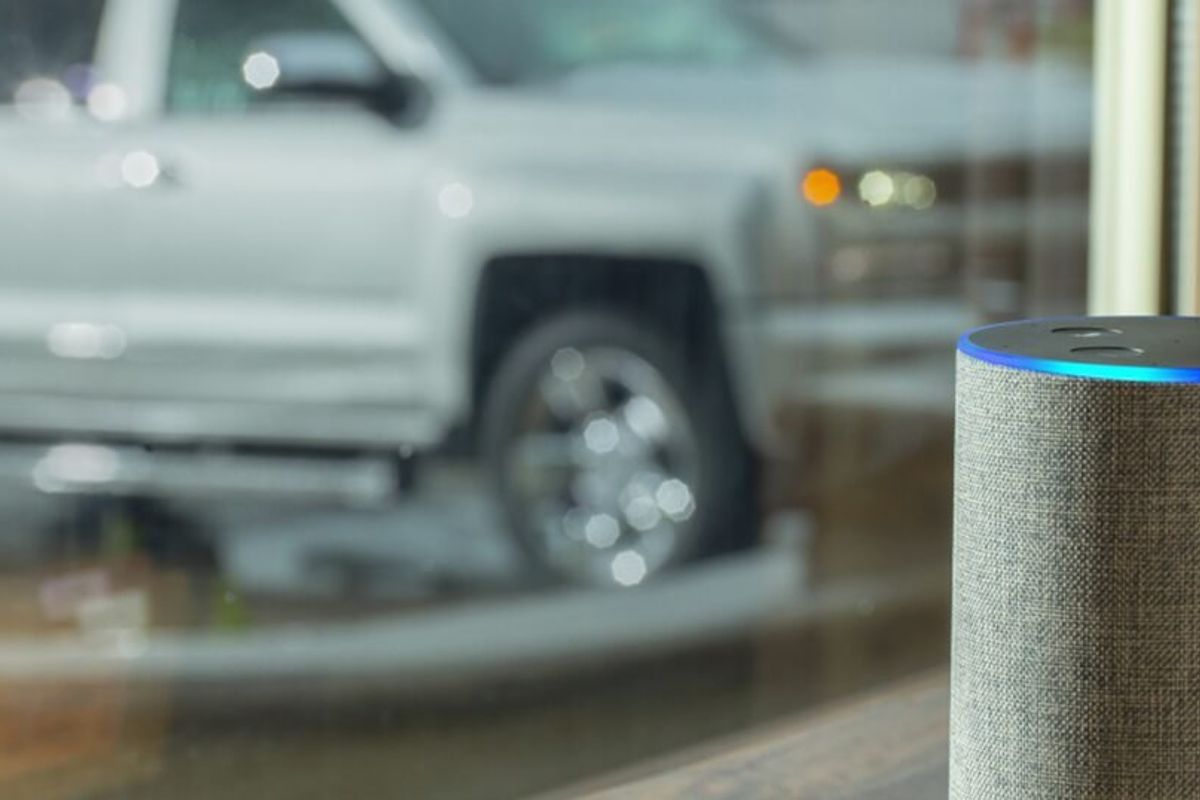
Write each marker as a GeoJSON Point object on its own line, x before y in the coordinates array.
{"type": "Point", "coordinates": [465, 399]}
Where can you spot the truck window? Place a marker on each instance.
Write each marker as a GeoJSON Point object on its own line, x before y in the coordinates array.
{"type": "Point", "coordinates": [210, 42]}
{"type": "Point", "coordinates": [46, 46]}
{"type": "Point", "coordinates": [516, 41]}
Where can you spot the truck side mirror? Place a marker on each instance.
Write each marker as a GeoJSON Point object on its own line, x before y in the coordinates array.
{"type": "Point", "coordinates": [323, 66]}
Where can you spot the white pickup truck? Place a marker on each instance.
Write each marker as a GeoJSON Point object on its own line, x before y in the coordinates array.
{"type": "Point", "coordinates": [359, 226]}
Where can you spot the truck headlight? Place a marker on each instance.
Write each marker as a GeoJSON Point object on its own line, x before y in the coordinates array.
{"type": "Point", "coordinates": [880, 188]}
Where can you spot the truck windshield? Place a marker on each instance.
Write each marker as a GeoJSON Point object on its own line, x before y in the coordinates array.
{"type": "Point", "coordinates": [517, 41]}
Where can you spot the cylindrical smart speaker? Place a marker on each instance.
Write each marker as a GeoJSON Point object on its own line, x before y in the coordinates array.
{"type": "Point", "coordinates": [1075, 667]}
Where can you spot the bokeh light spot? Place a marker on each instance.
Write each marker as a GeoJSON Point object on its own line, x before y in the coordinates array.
{"type": "Point", "coordinates": [821, 187]}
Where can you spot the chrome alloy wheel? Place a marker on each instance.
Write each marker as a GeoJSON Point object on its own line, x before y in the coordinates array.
{"type": "Point", "coordinates": [606, 463]}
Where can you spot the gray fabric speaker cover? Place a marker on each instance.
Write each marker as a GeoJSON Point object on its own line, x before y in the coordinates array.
{"type": "Point", "coordinates": [1075, 667]}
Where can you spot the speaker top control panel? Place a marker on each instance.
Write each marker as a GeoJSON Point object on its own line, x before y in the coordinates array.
{"type": "Point", "coordinates": [1148, 349]}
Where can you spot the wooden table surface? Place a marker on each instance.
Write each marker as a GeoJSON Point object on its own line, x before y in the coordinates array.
{"type": "Point", "coordinates": [890, 745]}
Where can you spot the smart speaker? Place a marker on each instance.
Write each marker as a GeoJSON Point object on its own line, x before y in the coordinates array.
{"type": "Point", "coordinates": [1075, 666]}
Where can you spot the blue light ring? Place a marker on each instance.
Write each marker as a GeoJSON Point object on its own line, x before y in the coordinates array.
{"type": "Point", "coordinates": [1077, 369]}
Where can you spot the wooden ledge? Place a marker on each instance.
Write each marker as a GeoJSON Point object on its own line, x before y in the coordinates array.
{"type": "Point", "coordinates": [889, 745]}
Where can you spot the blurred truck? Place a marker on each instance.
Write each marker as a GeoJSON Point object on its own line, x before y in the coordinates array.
{"type": "Point", "coordinates": [598, 238]}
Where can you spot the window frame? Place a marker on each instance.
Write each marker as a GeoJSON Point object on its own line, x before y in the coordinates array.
{"type": "Point", "coordinates": [1127, 270]}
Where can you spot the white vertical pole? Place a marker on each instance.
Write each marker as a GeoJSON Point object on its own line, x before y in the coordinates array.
{"type": "Point", "coordinates": [1184, 185]}
{"type": "Point", "coordinates": [1126, 249]}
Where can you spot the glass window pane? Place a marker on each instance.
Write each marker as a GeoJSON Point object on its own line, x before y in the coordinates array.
{"type": "Point", "coordinates": [47, 40]}
{"type": "Point", "coordinates": [573, 391]}
{"type": "Point", "coordinates": [213, 65]}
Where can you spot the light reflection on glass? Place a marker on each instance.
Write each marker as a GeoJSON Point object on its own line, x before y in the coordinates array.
{"type": "Point", "coordinates": [601, 435]}
{"type": "Point", "coordinates": [71, 464]}
{"type": "Point", "coordinates": [628, 568]}
{"type": "Point", "coordinates": [43, 100]}
{"type": "Point", "coordinates": [107, 102]}
{"type": "Point", "coordinates": [260, 70]}
{"type": "Point", "coordinates": [641, 510]}
{"type": "Point", "coordinates": [645, 418]}
{"type": "Point", "coordinates": [602, 531]}
{"type": "Point", "coordinates": [456, 200]}
{"type": "Point", "coordinates": [567, 364]}
{"type": "Point", "coordinates": [876, 188]}
{"type": "Point", "coordinates": [85, 340]}
{"type": "Point", "coordinates": [140, 169]}
{"type": "Point", "coordinates": [879, 189]}
{"type": "Point", "coordinates": [821, 187]}
{"type": "Point", "coordinates": [675, 499]}
{"type": "Point", "coordinates": [919, 192]}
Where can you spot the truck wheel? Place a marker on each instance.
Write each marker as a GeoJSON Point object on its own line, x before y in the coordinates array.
{"type": "Point", "coordinates": [613, 458]}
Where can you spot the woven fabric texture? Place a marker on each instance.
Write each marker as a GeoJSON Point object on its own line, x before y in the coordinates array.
{"type": "Point", "coordinates": [1075, 666]}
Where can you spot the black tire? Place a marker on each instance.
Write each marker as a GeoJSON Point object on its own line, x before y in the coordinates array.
{"type": "Point", "coordinates": [726, 494]}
